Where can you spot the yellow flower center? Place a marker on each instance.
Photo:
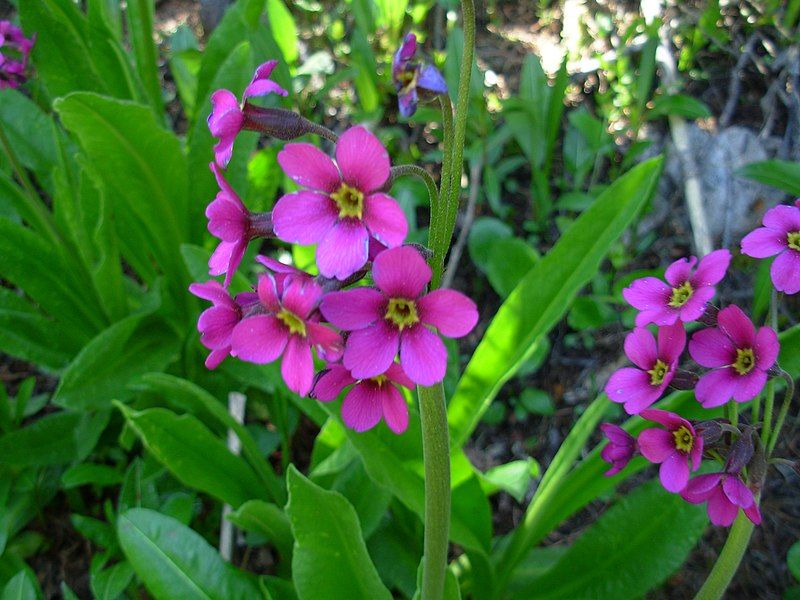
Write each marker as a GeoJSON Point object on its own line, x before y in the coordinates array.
{"type": "Point", "coordinates": [402, 312]}
{"type": "Point", "coordinates": [658, 372]}
{"type": "Point", "coordinates": [350, 201]}
{"type": "Point", "coordinates": [745, 361]}
{"type": "Point", "coordinates": [681, 295]}
{"type": "Point", "coordinates": [683, 439]}
{"type": "Point", "coordinates": [293, 322]}
{"type": "Point", "coordinates": [379, 380]}
{"type": "Point", "coordinates": [793, 237]}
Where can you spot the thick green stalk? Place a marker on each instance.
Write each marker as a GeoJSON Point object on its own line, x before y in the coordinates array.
{"type": "Point", "coordinates": [728, 561]}
{"type": "Point", "coordinates": [436, 456]}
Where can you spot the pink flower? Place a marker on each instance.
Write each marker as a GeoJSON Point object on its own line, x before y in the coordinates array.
{"type": "Point", "coordinates": [686, 295]}
{"type": "Point", "coordinates": [399, 315]}
{"type": "Point", "coordinates": [369, 399]}
{"type": "Point", "coordinates": [639, 387]}
{"type": "Point", "coordinates": [620, 449]}
{"type": "Point", "coordinates": [739, 356]}
{"type": "Point", "coordinates": [343, 206]}
{"type": "Point", "coordinates": [677, 448]}
{"type": "Point", "coordinates": [15, 51]}
{"type": "Point", "coordinates": [412, 78]}
{"type": "Point", "coordinates": [227, 115]}
{"type": "Point", "coordinates": [216, 323]}
{"type": "Point", "coordinates": [286, 325]}
{"type": "Point", "coordinates": [231, 222]}
{"type": "Point", "coordinates": [725, 494]}
{"type": "Point", "coordinates": [780, 236]}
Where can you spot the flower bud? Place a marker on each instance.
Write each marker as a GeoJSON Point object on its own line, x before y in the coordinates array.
{"type": "Point", "coordinates": [684, 380]}
{"type": "Point", "coordinates": [741, 452]}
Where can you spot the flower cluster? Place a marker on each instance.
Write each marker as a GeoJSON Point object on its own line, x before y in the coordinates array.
{"type": "Point", "coordinates": [739, 357]}
{"type": "Point", "coordinates": [15, 50]}
{"type": "Point", "coordinates": [373, 339]}
{"type": "Point", "coordinates": [413, 79]}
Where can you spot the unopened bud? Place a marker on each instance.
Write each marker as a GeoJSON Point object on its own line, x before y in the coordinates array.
{"type": "Point", "coordinates": [741, 452]}
{"type": "Point", "coordinates": [280, 123]}
{"type": "Point", "coordinates": [710, 431]}
{"type": "Point", "coordinates": [684, 380]}
{"type": "Point", "coordinates": [757, 471]}
{"type": "Point", "coordinates": [260, 225]}
{"type": "Point", "coordinates": [709, 317]}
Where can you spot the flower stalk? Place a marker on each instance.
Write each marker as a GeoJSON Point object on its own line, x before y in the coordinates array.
{"type": "Point", "coordinates": [728, 561]}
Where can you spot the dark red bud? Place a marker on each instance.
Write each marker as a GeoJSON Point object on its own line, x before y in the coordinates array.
{"type": "Point", "coordinates": [741, 452]}
{"type": "Point", "coordinates": [280, 123]}
{"type": "Point", "coordinates": [684, 380]}
{"type": "Point", "coordinates": [260, 225]}
{"type": "Point", "coordinates": [710, 316]}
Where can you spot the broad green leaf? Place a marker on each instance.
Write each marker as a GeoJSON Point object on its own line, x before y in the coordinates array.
{"type": "Point", "coordinates": [484, 233]}
{"type": "Point", "coordinates": [509, 261]}
{"type": "Point", "coordinates": [55, 439]}
{"type": "Point", "coordinates": [631, 549]}
{"type": "Point", "coordinates": [793, 560]}
{"type": "Point", "coordinates": [513, 477]}
{"type": "Point", "coordinates": [140, 30]}
{"type": "Point", "coordinates": [266, 519]}
{"type": "Point", "coordinates": [175, 562]}
{"type": "Point", "coordinates": [330, 558]}
{"type": "Point", "coordinates": [111, 61]}
{"type": "Point", "coordinates": [194, 455]}
{"type": "Point", "coordinates": [781, 174]}
{"type": "Point", "coordinates": [391, 14]}
{"type": "Point", "coordinates": [90, 474]}
{"type": "Point", "coordinates": [185, 66]}
{"type": "Point", "coordinates": [680, 105]}
{"type": "Point", "coordinates": [283, 28]}
{"type": "Point", "coordinates": [109, 583]}
{"type": "Point", "coordinates": [23, 586]}
{"type": "Point", "coordinates": [543, 296]}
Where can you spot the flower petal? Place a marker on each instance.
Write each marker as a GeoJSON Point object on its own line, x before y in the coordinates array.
{"type": "Point", "coordinates": [303, 217]}
{"type": "Point", "coordinates": [671, 342]}
{"type": "Point", "coordinates": [326, 341]}
{"type": "Point", "coordinates": [670, 420]}
{"type": "Point", "coordinates": [701, 487]}
{"type": "Point", "coordinates": [353, 309]}
{"type": "Point", "coordinates": [716, 387]}
{"type": "Point", "coordinates": [297, 366]}
{"type": "Point", "coordinates": [343, 250]}
{"type": "Point", "coordinates": [423, 355]}
{"type": "Point", "coordinates": [268, 293]}
{"type": "Point", "coordinates": [401, 272]}
{"type": "Point", "coordinates": [451, 312]}
{"type": "Point", "coordinates": [720, 510]}
{"type": "Point", "coordinates": [764, 242]}
{"type": "Point", "coordinates": [711, 269]}
{"type": "Point", "coordinates": [783, 218]}
{"type": "Point", "coordinates": [656, 444]}
{"type": "Point", "coordinates": [362, 408]}
{"type": "Point", "coordinates": [369, 352]}
{"type": "Point", "coordinates": [632, 387]}
{"type": "Point", "coordinates": [395, 409]}
{"type": "Point", "coordinates": [331, 383]}
{"type": "Point", "coordinates": [737, 492]}
{"type": "Point", "coordinates": [640, 348]}
{"type": "Point", "coordinates": [301, 295]}
{"type": "Point", "coordinates": [785, 272]}
{"type": "Point", "coordinates": [674, 472]}
{"type": "Point", "coordinates": [712, 348]}
{"type": "Point", "coordinates": [396, 374]}
{"type": "Point", "coordinates": [680, 271]}
{"type": "Point", "coordinates": [696, 305]}
{"type": "Point", "coordinates": [307, 165]}
{"type": "Point", "coordinates": [216, 325]}
{"type": "Point", "coordinates": [259, 339]}
{"type": "Point", "coordinates": [766, 348]}
{"type": "Point", "coordinates": [749, 386]}
{"type": "Point", "coordinates": [362, 159]}
{"type": "Point", "coordinates": [385, 219]}
{"type": "Point", "coordinates": [737, 326]}
{"type": "Point", "coordinates": [432, 80]}
{"type": "Point", "coordinates": [213, 292]}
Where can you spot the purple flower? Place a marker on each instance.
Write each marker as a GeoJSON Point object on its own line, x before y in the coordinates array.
{"type": "Point", "coordinates": [342, 207]}
{"type": "Point", "coordinates": [413, 79]}
{"type": "Point", "coordinates": [686, 295]}
{"type": "Point", "coordinates": [678, 448]}
{"type": "Point", "coordinates": [725, 494]}
{"type": "Point", "coordinates": [399, 315]}
{"type": "Point", "coordinates": [620, 449]}
{"type": "Point", "coordinates": [780, 237]}
{"type": "Point", "coordinates": [369, 399]}
{"type": "Point", "coordinates": [227, 115]}
{"type": "Point", "coordinates": [216, 323]}
{"type": "Point", "coordinates": [739, 356]}
{"type": "Point", "coordinates": [234, 225]}
{"type": "Point", "coordinates": [286, 324]}
{"type": "Point", "coordinates": [15, 51]}
{"type": "Point", "coordinates": [639, 387]}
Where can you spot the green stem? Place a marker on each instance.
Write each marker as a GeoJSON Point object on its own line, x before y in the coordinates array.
{"type": "Point", "coordinates": [728, 561]}
{"type": "Point", "coordinates": [435, 240]}
{"type": "Point", "coordinates": [436, 456]}
{"type": "Point", "coordinates": [766, 429]}
{"type": "Point", "coordinates": [787, 401]}
{"type": "Point", "coordinates": [417, 171]}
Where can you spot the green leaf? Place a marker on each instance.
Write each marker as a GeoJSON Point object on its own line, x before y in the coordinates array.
{"type": "Point", "coordinates": [793, 560]}
{"type": "Point", "coordinates": [140, 30]}
{"type": "Point", "coordinates": [330, 558]}
{"type": "Point", "coordinates": [544, 295]}
{"type": "Point", "coordinates": [185, 66]}
{"type": "Point", "coordinates": [175, 562]}
{"type": "Point", "coordinates": [513, 477]}
{"type": "Point", "coordinates": [283, 28]}
{"type": "Point", "coordinates": [680, 105]}
{"type": "Point", "coordinates": [509, 261]}
{"type": "Point", "coordinates": [266, 519]}
{"type": "Point", "coordinates": [194, 455]}
{"type": "Point", "coordinates": [781, 174]}
{"type": "Point", "coordinates": [90, 474]}
{"type": "Point", "coordinates": [651, 533]}
{"type": "Point", "coordinates": [109, 583]}
{"type": "Point", "coordinates": [484, 233]}
{"type": "Point", "coordinates": [23, 586]}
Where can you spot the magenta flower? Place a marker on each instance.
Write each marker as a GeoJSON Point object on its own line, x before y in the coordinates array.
{"type": "Point", "coordinates": [231, 222]}
{"type": "Point", "coordinates": [281, 272]}
{"type": "Point", "coordinates": [686, 295]}
{"type": "Point", "coordinates": [739, 356]}
{"type": "Point", "coordinates": [216, 323]}
{"type": "Point", "coordinates": [287, 325]}
{"type": "Point", "coordinates": [639, 387]}
{"type": "Point", "coordinates": [780, 237]}
{"type": "Point", "coordinates": [15, 51]}
{"type": "Point", "coordinates": [228, 115]}
{"type": "Point", "coordinates": [413, 79]}
{"type": "Point", "coordinates": [343, 207]}
{"type": "Point", "coordinates": [399, 315]}
{"type": "Point", "coordinates": [369, 399]}
{"type": "Point", "coordinates": [725, 493]}
{"type": "Point", "coordinates": [678, 448]}
{"type": "Point", "coordinates": [620, 449]}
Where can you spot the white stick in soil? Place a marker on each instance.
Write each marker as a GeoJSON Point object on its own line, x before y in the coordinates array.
{"type": "Point", "coordinates": [236, 406]}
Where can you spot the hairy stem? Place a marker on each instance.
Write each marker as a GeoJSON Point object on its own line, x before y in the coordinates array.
{"type": "Point", "coordinates": [417, 171]}
{"type": "Point", "coordinates": [787, 401]}
{"type": "Point", "coordinates": [437, 215]}
{"type": "Point", "coordinates": [436, 453]}
{"type": "Point", "coordinates": [766, 429]}
{"type": "Point", "coordinates": [728, 561]}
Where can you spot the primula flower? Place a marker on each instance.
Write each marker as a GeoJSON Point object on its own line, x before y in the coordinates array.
{"type": "Point", "coordinates": [227, 115]}
{"type": "Point", "coordinates": [685, 294]}
{"type": "Point", "coordinates": [231, 222]}
{"type": "Point", "coordinates": [678, 448]}
{"type": "Point", "coordinates": [15, 50]}
{"type": "Point", "coordinates": [639, 387]}
{"type": "Point", "coordinates": [739, 356]}
{"type": "Point", "coordinates": [413, 79]}
{"type": "Point", "coordinates": [216, 323]}
{"type": "Point", "coordinates": [343, 207]}
{"type": "Point", "coordinates": [399, 315]}
{"type": "Point", "coordinates": [369, 399]}
{"type": "Point", "coordinates": [289, 327]}
{"type": "Point", "coordinates": [620, 449]}
{"type": "Point", "coordinates": [725, 493]}
{"type": "Point", "coordinates": [780, 237]}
